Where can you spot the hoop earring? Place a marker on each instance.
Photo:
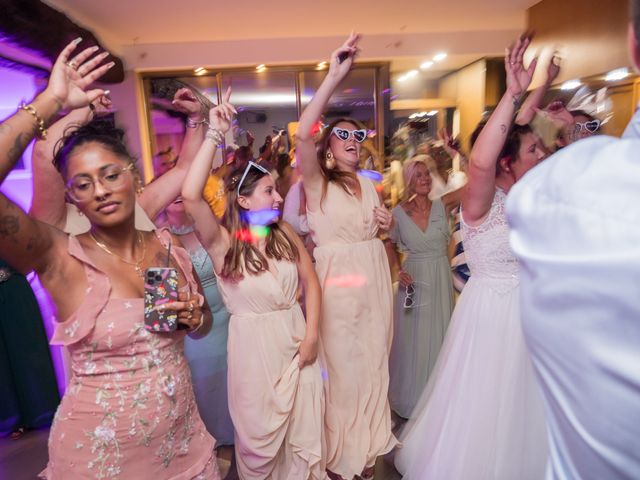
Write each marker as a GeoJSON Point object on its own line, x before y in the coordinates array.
{"type": "Point", "coordinates": [329, 161]}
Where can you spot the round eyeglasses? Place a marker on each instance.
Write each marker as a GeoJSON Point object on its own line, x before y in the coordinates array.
{"type": "Point", "coordinates": [81, 188]}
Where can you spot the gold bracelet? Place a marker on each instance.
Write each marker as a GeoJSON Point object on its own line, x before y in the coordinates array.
{"type": "Point", "coordinates": [42, 132]}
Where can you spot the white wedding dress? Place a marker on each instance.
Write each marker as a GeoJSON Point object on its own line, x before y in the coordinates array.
{"type": "Point", "coordinates": [481, 415]}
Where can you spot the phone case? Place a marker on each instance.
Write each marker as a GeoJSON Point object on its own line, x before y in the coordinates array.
{"type": "Point", "coordinates": [160, 287]}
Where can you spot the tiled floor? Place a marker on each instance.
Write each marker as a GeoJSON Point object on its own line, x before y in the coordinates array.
{"type": "Point", "coordinates": [24, 458]}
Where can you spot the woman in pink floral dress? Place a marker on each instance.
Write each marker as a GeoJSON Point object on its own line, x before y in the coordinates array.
{"type": "Point", "coordinates": [129, 411]}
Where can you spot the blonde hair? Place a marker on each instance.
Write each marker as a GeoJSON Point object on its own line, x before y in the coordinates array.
{"type": "Point", "coordinates": [244, 256]}
{"type": "Point", "coordinates": [409, 173]}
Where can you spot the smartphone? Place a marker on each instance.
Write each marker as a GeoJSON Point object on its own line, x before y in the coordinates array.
{"type": "Point", "coordinates": [160, 287]}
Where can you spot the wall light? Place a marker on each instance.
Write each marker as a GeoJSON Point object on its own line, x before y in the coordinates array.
{"type": "Point", "coordinates": [261, 68]}
{"type": "Point", "coordinates": [439, 57]}
{"type": "Point", "coordinates": [425, 65]}
{"type": "Point", "coordinates": [321, 65]}
{"type": "Point", "coordinates": [570, 85]}
{"type": "Point", "coordinates": [617, 74]}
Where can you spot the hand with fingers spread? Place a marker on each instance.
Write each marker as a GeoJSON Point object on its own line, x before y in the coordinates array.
{"type": "Point", "coordinates": [518, 77]}
{"type": "Point", "coordinates": [70, 77]}
{"type": "Point", "coordinates": [342, 58]}
{"type": "Point", "coordinates": [221, 116]}
{"type": "Point", "coordinates": [383, 217]}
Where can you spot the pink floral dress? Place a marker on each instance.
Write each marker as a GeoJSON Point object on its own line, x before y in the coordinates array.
{"type": "Point", "coordinates": [129, 411]}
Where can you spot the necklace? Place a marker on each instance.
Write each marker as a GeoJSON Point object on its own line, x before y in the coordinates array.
{"type": "Point", "coordinates": [182, 230]}
{"type": "Point", "coordinates": [137, 264]}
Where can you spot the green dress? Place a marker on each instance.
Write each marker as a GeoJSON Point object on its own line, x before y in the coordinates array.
{"type": "Point", "coordinates": [28, 386]}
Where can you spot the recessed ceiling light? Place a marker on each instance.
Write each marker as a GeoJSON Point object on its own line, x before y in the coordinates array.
{"type": "Point", "coordinates": [321, 65]}
{"type": "Point", "coordinates": [411, 73]}
{"type": "Point", "coordinates": [427, 64]}
{"type": "Point", "coordinates": [570, 85]}
{"type": "Point", "coordinates": [439, 57]}
{"type": "Point", "coordinates": [617, 74]}
{"type": "Point", "coordinates": [198, 70]}
{"type": "Point", "coordinates": [261, 66]}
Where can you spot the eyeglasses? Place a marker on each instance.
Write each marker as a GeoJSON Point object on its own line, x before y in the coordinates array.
{"type": "Point", "coordinates": [246, 170]}
{"type": "Point", "coordinates": [591, 126]}
{"type": "Point", "coordinates": [81, 188]}
{"type": "Point", "coordinates": [343, 134]}
{"type": "Point", "coordinates": [410, 290]}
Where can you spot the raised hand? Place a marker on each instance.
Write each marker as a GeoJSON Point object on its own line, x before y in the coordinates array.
{"type": "Point", "coordinates": [221, 116]}
{"type": "Point", "coordinates": [518, 77]}
{"type": "Point", "coordinates": [70, 78]}
{"type": "Point", "coordinates": [342, 58]}
{"type": "Point", "coordinates": [186, 102]}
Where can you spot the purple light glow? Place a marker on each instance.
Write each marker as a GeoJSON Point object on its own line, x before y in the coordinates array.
{"type": "Point", "coordinates": [17, 87]}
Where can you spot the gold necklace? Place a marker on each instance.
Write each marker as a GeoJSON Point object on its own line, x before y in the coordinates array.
{"type": "Point", "coordinates": [137, 264]}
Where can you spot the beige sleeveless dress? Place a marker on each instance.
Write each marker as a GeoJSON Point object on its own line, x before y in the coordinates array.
{"type": "Point", "coordinates": [276, 407]}
{"type": "Point", "coordinates": [356, 327]}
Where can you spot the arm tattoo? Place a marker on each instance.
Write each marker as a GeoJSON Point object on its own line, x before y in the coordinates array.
{"type": "Point", "coordinates": [503, 129]}
{"type": "Point", "coordinates": [9, 225]}
{"type": "Point", "coordinates": [18, 147]}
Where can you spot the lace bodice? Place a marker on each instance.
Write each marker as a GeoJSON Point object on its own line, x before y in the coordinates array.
{"type": "Point", "coordinates": [487, 247]}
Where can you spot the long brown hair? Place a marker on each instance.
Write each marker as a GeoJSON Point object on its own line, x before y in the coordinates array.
{"type": "Point", "coordinates": [244, 256]}
{"type": "Point", "coordinates": [343, 179]}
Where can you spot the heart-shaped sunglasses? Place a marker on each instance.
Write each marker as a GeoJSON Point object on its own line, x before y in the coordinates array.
{"type": "Point", "coordinates": [343, 134]}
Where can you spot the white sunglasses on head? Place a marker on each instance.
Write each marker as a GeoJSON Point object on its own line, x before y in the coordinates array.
{"type": "Point", "coordinates": [246, 170]}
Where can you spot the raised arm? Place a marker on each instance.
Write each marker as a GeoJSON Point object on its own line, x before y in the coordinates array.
{"type": "Point", "coordinates": [305, 146]}
{"type": "Point", "coordinates": [24, 242]}
{"type": "Point", "coordinates": [48, 204]}
{"type": "Point", "coordinates": [213, 237]}
{"type": "Point", "coordinates": [532, 103]}
{"type": "Point", "coordinates": [480, 188]}
{"type": "Point", "coordinates": [161, 192]}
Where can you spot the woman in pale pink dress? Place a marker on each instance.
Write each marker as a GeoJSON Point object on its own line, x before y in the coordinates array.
{"type": "Point", "coordinates": [345, 215]}
{"type": "Point", "coordinates": [129, 411]}
{"type": "Point", "coordinates": [274, 380]}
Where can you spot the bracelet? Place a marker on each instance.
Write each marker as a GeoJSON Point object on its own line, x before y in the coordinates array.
{"type": "Point", "coordinates": [214, 134]}
{"type": "Point", "coordinates": [42, 132]}
{"type": "Point", "coordinates": [195, 123]}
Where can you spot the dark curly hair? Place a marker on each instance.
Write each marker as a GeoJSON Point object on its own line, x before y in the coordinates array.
{"type": "Point", "coordinates": [100, 131]}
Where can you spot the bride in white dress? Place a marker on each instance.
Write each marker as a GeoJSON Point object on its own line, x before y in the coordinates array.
{"type": "Point", "coordinates": [481, 415]}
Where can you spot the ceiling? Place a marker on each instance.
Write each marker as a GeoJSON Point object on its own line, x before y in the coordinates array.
{"type": "Point", "coordinates": [405, 32]}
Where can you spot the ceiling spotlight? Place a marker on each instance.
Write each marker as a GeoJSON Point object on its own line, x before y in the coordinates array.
{"type": "Point", "coordinates": [570, 85]}
{"type": "Point", "coordinates": [617, 74]}
{"type": "Point", "coordinates": [439, 57]}
{"type": "Point", "coordinates": [425, 65]}
{"type": "Point", "coordinates": [431, 113]}
{"type": "Point", "coordinates": [411, 73]}
{"type": "Point", "coordinates": [198, 70]}
{"type": "Point", "coordinates": [321, 65]}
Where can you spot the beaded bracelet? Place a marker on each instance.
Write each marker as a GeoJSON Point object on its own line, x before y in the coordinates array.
{"type": "Point", "coordinates": [216, 135]}
{"type": "Point", "coordinates": [42, 132]}
{"type": "Point", "coordinates": [195, 123]}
